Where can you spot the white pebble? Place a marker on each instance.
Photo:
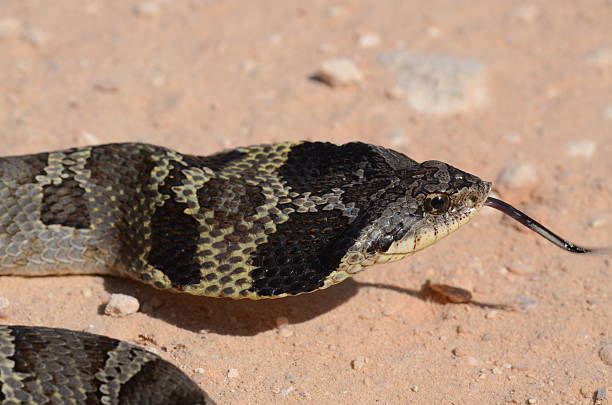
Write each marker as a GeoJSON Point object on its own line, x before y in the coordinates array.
{"type": "Point", "coordinates": [582, 148]}
{"type": "Point", "coordinates": [517, 175]}
{"type": "Point", "coordinates": [600, 221]}
{"type": "Point", "coordinates": [415, 388]}
{"type": "Point", "coordinates": [199, 370]}
{"type": "Point", "coordinates": [121, 305]}
{"type": "Point", "coordinates": [10, 27]}
{"type": "Point", "coordinates": [605, 354]}
{"type": "Point", "coordinates": [600, 57]}
{"type": "Point", "coordinates": [369, 40]}
{"type": "Point", "coordinates": [439, 84]}
{"type": "Point", "coordinates": [358, 362]}
{"type": "Point", "coordinates": [4, 303]}
{"type": "Point", "coordinates": [232, 373]}
{"type": "Point", "coordinates": [339, 72]}
{"type": "Point", "coordinates": [526, 13]}
{"type": "Point", "coordinates": [520, 269]}
{"type": "Point", "coordinates": [87, 293]}
{"type": "Point", "coordinates": [147, 9]}
{"type": "Point", "coordinates": [607, 112]}
{"type": "Point", "coordinates": [532, 401]}
{"type": "Point", "coordinates": [491, 314]}
{"type": "Point", "coordinates": [35, 36]}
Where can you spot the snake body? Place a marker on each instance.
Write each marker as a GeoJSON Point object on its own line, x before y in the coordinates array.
{"type": "Point", "coordinates": [264, 221]}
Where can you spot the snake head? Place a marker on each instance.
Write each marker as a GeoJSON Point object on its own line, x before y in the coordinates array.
{"type": "Point", "coordinates": [429, 201]}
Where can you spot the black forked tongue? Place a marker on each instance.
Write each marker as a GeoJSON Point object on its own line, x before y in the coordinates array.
{"type": "Point", "coordinates": [537, 227]}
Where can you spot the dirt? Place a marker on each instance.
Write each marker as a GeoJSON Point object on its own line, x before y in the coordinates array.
{"type": "Point", "coordinates": [202, 76]}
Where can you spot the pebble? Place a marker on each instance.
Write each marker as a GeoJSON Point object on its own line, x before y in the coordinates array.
{"type": "Point", "coordinates": [532, 401]}
{"type": "Point", "coordinates": [339, 72]}
{"type": "Point", "coordinates": [526, 13]}
{"type": "Point", "coordinates": [519, 175]}
{"type": "Point", "coordinates": [35, 36]}
{"type": "Point", "coordinates": [4, 303]}
{"type": "Point", "coordinates": [121, 305]}
{"type": "Point", "coordinates": [358, 362]}
{"type": "Point", "coordinates": [600, 221]}
{"type": "Point", "coordinates": [607, 112]}
{"type": "Point", "coordinates": [369, 40]}
{"type": "Point", "coordinates": [10, 27]}
{"type": "Point", "coordinates": [601, 393]}
{"type": "Point", "coordinates": [232, 373]}
{"type": "Point", "coordinates": [520, 269]}
{"type": "Point", "coordinates": [87, 293]}
{"type": "Point", "coordinates": [439, 84]}
{"type": "Point", "coordinates": [600, 57]}
{"type": "Point", "coordinates": [198, 370]}
{"type": "Point", "coordinates": [605, 354]}
{"type": "Point", "coordinates": [491, 314]}
{"type": "Point", "coordinates": [415, 388]}
{"type": "Point", "coordinates": [147, 9]}
{"type": "Point", "coordinates": [582, 148]}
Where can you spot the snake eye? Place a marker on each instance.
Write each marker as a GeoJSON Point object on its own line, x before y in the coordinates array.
{"type": "Point", "coordinates": [437, 204]}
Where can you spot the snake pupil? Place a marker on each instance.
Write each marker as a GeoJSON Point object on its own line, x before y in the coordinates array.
{"type": "Point", "coordinates": [437, 204]}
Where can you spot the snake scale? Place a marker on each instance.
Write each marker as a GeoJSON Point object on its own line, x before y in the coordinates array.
{"type": "Point", "coordinates": [265, 221]}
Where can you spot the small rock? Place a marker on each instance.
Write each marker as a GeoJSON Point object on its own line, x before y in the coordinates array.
{"type": "Point", "coordinates": [87, 293]}
{"type": "Point", "coordinates": [605, 354]}
{"type": "Point", "coordinates": [415, 388]}
{"type": "Point", "coordinates": [600, 57]}
{"type": "Point", "coordinates": [601, 393]}
{"type": "Point", "coordinates": [517, 176]}
{"type": "Point", "coordinates": [458, 352]}
{"type": "Point", "coordinates": [232, 373]}
{"type": "Point", "coordinates": [282, 321]}
{"type": "Point", "coordinates": [581, 148]}
{"type": "Point", "coordinates": [199, 370]}
{"type": "Point", "coordinates": [532, 401]}
{"type": "Point", "coordinates": [10, 27]}
{"type": "Point", "coordinates": [395, 93]}
{"type": "Point", "coordinates": [439, 84]}
{"type": "Point", "coordinates": [147, 9]}
{"type": "Point", "coordinates": [339, 72]}
{"type": "Point", "coordinates": [526, 13]}
{"type": "Point", "coordinates": [600, 221]}
{"type": "Point", "coordinates": [497, 371]}
{"type": "Point", "coordinates": [285, 331]}
{"type": "Point", "coordinates": [491, 314]}
{"type": "Point", "coordinates": [35, 36]}
{"type": "Point", "coordinates": [121, 305]}
{"type": "Point", "coordinates": [607, 112]}
{"type": "Point", "coordinates": [520, 269]}
{"type": "Point", "coordinates": [434, 31]}
{"type": "Point", "coordinates": [358, 362]}
{"type": "Point", "coordinates": [4, 303]}
{"type": "Point", "coordinates": [368, 40]}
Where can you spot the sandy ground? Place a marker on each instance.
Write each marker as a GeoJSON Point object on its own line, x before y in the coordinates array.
{"type": "Point", "coordinates": [201, 76]}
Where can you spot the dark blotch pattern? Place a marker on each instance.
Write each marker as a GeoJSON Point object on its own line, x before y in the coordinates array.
{"type": "Point", "coordinates": [306, 249]}
{"type": "Point", "coordinates": [174, 236]}
{"type": "Point", "coordinates": [65, 204]}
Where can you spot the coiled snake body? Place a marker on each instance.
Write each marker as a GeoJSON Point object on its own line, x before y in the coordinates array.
{"type": "Point", "coordinates": [264, 221]}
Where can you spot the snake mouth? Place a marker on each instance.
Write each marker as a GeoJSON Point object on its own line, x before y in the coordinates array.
{"type": "Point", "coordinates": [538, 228]}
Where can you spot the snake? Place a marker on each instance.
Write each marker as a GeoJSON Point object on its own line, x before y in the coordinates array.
{"type": "Point", "coordinates": [257, 222]}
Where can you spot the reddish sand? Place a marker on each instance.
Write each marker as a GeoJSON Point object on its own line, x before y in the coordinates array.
{"type": "Point", "coordinates": [201, 76]}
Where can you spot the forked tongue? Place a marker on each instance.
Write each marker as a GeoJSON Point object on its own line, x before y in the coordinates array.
{"type": "Point", "coordinates": [539, 228]}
